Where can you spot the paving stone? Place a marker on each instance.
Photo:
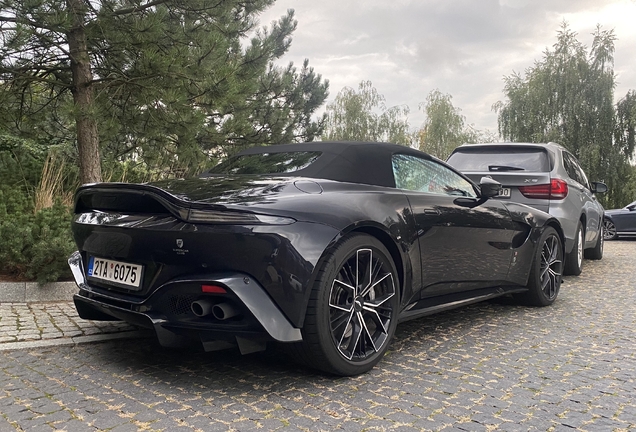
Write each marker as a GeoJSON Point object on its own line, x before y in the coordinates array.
{"type": "Point", "coordinates": [490, 366]}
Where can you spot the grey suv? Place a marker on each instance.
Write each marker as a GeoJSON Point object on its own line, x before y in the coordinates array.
{"type": "Point", "coordinates": [546, 177]}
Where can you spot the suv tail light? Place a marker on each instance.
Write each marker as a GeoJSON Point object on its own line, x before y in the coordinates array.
{"type": "Point", "coordinates": [557, 190]}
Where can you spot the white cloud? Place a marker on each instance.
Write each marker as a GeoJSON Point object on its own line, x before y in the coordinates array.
{"type": "Point", "coordinates": [462, 47]}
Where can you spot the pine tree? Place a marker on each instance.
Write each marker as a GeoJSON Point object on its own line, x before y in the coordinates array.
{"type": "Point", "coordinates": [165, 81]}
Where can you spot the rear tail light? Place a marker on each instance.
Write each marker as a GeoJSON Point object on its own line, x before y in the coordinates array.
{"type": "Point", "coordinates": [213, 289]}
{"type": "Point", "coordinates": [232, 217]}
{"type": "Point", "coordinates": [557, 190]}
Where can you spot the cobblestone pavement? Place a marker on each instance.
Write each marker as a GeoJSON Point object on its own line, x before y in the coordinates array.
{"type": "Point", "coordinates": [33, 322]}
{"type": "Point", "coordinates": [491, 366]}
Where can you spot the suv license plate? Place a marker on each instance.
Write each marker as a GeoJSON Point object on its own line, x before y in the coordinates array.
{"type": "Point", "coordinates": [504, 193]}
{"type": "Point", "coordinates": [116, 272]}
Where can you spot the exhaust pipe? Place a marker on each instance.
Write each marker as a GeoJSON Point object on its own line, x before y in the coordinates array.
{"type": "Point", "coordinates": [223, 311]}
{"type": "Point", "coordinates": [201, 308]}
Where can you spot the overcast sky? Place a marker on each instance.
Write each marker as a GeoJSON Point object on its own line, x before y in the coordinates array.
{"type": "Point", "coordinates": [407, 48]}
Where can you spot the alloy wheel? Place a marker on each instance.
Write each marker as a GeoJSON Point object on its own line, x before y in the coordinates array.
{"type": "Point", "coordinates": [360, 310]}
{"type": "Point", "coordinates": [579, 249]}
{"type": "Point", "coordinates": [551, 267]}
{"type": "Point", "coordinates": [609, 230]}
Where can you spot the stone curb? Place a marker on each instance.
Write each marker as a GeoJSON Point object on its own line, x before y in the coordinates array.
{"type": "Point", "coordinates": [27, 292]}
{"type": "Point", "coordinates": [76, 340]}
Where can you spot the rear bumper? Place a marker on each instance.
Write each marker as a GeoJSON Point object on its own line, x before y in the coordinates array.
{"type": "Point", "coordinates": [168, 309]}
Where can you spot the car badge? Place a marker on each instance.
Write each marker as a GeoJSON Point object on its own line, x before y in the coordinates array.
{"type": "Point", "coordinates": [179, 243]}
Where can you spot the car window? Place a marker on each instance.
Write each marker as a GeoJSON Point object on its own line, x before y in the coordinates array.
{"type": "Point", "coordinates": [581, 173]}
{"type": "Point", "coordinates": [569, 166]}
{"type": "Point", "coordinates": [266, 163]}
{"type": "Point", "coordinates": [574, 170]}
{"type": "Point", "coordinates": [423, 175]}
{"type": "Point", "coordinates": [500, 158]}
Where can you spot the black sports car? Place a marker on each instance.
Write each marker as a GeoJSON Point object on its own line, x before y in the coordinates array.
{"type": "Point", "coordinates": [322, 246]}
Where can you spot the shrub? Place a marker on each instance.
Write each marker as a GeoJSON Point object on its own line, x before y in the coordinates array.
{"type": "Point", "coordinates": [34, 246]}
{"type": "Point", "coordinates": [34, 243]}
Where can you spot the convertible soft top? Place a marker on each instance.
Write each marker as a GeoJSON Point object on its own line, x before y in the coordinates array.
{"type": "Point", "coordinates": [346, 161]}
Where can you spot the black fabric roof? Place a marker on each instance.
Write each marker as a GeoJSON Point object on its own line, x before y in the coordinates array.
{"type": "Point", "coordinates": [347, 161]}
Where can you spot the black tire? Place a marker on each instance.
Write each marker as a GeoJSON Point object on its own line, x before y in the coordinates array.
{"type": "Point", "coordinates": [574, 260]}
{"type": "Point", "coordinates": [596, 253]}
{"type": "Point", "coordinates": [544, 282]}
{"type": "Point", "coordinates": [609, 230]}
{"type": "Point", "coordinates": [353, 308]}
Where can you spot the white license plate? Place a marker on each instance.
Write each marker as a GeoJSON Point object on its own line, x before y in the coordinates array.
{"type": "Point", "coordinates": [116, 272]}
{"type": "Point", "coordinates": [504, 193]}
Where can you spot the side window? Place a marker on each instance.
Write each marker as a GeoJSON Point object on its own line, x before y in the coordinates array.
{"type": "Point", "coordinates": [574, 170]}
{"type": "Point", "coordinates": [422, 175]}
{"type": "Point", "coordinates": [581, 173]}
{"type": "Point", "coordinates": [569, 166]}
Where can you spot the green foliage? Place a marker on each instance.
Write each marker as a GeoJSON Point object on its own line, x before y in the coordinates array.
{"type": "Point", "coordinates": [444, 126]}
{"type": "Point", "coordinates": [173, 82]}
{"type": "Point", "coordinates": [21, 163]}
{"type": "Point", "coordinates": [33, 244]}
{"type": "Point", "coordinates": [363, 116]}
{"type": "Point", "coordinates": [567, 97]}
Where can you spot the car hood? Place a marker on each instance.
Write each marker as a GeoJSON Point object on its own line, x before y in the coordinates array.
{"type": "Point", "coordinates": [613, 211]}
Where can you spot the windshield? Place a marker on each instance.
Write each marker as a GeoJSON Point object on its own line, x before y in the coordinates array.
{"type": "Point", "coordinates": [265, 163]}
{"type": "Point", "coordinates": [500, 159]}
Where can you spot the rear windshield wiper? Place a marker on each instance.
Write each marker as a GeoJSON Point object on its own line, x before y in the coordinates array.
{"type": "Point", "coordinates": [504, 168]}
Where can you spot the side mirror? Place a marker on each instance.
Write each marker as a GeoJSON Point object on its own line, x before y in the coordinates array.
{"type": "Point", "coordinates": [489, 188]}
{"type": "Point", "coordinates": [598, 187]}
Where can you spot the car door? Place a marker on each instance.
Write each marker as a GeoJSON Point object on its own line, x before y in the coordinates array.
{"type": "Point", "coordinates": [625, 220]}
{"type": "Point", "coordinates": [462, 247]}
{"type": "Point", "coordinates": [589, 204]}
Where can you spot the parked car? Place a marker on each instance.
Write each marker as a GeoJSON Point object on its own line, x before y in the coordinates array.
{"type": "Point", "coordinates": [620, 222]}
{"type": "Point", "coordinates": [322, 246]}
{"type": "Point", "coordinates": [546, 177]}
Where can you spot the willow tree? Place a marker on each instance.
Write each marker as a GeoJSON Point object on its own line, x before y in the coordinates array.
{"type": "Point", "coordinates": [158, 80]}
{"type": "Point", "coordinates": [444, 127]}
{"type": "Point", "coordinates": [362, 115]}
{"type": "Point", "coordinates": [568, 97]}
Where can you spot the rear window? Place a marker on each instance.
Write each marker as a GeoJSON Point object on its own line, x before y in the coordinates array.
{"type": "Point", "coordinates": [265, 163]}
{"type": "Point", "coordinates": [500, 159]}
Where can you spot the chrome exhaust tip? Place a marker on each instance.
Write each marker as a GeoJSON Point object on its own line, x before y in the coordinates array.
{"type": "Point", "coordinates": [223, 311]}
{"type": "Point", "coordinates": [201, 308]}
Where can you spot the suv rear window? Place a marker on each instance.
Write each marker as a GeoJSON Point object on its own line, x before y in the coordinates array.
{"type": "Point", "coordinates": [500, 159]}
{"type": "Point", "coordinates": [265, 163]}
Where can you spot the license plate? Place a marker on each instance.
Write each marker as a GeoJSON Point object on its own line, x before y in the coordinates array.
{"type": "Point", "coordinates": [504, 193]}
{"type": "Point", "coordinates": [118, 273]}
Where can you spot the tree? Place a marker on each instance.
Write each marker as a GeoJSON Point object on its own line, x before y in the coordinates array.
{"type": "Point", "coordinates": [363, 116]}
{"type": "Point", "coordinates": [444, 127]}
{"type": "Point", "coordinates": [567, 97]}
{"type": "Point", "coordinates": [165, 81]}
{"type": "Point", "coordinates": [625, 129]}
